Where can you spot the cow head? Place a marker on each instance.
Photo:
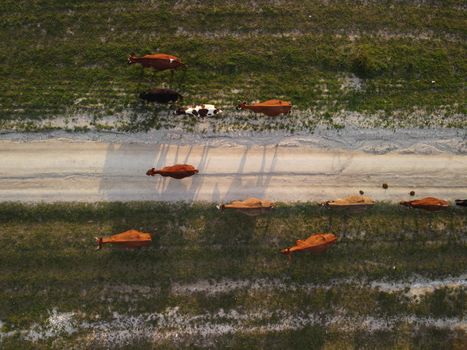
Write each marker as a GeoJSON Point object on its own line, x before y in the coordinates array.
{"type": "Point", "coordinates": [99, 243]}
{"type": "Point", "coordinates": [241, 106]}
{"type": "Point", "coordinates": [407, 204]}
{"type": "Point", "coordinates": [131, 58]}
{"type": "Point", "coordinates": [285, 251]}
{"type": "Point", "coordinates": [151, 172]}
{"type": "Point", "coordinates": [179, 64]}
{"type": "Point", "coordinates": [180, 111]}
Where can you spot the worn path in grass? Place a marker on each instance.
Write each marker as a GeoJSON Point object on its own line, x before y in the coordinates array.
{"type": "Point", "coordinates": [89, 171]}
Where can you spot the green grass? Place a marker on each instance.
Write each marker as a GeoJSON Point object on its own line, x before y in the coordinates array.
{"type": "Point", "coordinates": [67, 58]}
{"type": "Point", "coordinates": [48, 262]}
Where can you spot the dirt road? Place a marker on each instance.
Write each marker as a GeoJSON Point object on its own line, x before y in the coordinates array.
{"type": "Point", "coordinates": [58, 170]}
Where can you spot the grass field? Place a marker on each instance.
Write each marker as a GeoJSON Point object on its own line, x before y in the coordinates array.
{"type": "Point", "coordinates": [214, 279]}
{"type": "Point", "coordinates": [396, 60]}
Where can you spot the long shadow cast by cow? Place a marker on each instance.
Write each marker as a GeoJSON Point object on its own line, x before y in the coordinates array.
{"type": "Point", "coordinates": [259, 181]}
{"type": "Point", "coordinates": [125, 164]}
{"type": "Point", "coordinates": [242, 184]}
{"type": "Point", "coordinates": [123, 171]}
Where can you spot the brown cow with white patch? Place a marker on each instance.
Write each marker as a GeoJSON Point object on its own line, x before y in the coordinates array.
{"type": "Point", "coordinates": [157, 61]}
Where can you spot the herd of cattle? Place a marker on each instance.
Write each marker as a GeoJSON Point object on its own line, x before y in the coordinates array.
{"type": "Point", "coordinates": [161, 62]}
{"type": "Point", "coordinates": [252, 206]}
{"type": "Point", "coordinates": [316, 243]}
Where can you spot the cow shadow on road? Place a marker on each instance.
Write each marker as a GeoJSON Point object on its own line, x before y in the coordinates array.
{"type": "Point", "coordinates": [257, 183]}
{"type": "Point", "coordinates": [124, 178]}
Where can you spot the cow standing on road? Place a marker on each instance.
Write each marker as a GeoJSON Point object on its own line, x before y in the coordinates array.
{"type": "Point", "coordinates": [178, 171]}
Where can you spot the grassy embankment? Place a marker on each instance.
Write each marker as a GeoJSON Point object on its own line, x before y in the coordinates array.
{"type": "Point", "coordinates": [48, 263]}
{"type": "Point", "coordinates": [67, 58]}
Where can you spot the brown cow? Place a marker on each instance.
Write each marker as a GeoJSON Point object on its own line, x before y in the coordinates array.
{"type": "Point", "coordinates": [428, 203]}
{"type": "Point", "coordinates": [316, 243]}
{"type": "Point", "coordinates": [157, 61]}
{"type": "Point", "coordinates": [355, 203]}
{"type": "Point", "coordinates": [127, 239]}
{"type": "Point", "coordinates": [250, 206]}
{"type": "Point", "coordinates": [270, 108]}
{"type": "Point", "coordinates": [178, 171]}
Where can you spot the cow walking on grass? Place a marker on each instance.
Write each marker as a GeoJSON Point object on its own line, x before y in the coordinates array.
{"type": "Point", "coordinates": [428, 203]}
{"type": "Point", "coordinates": [158, 62]}
{"type": "Point", "coordinates": [199, 111]}
{"type": "Point", "coordinates": [159, 95]}
{"type": "Point", "coordinates": [163, 96]}
{"type": "Point", "coordinates": [271, 108]}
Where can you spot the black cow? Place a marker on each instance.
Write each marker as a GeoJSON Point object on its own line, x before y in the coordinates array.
{"type": "Point", "coordinates": [160, 95]}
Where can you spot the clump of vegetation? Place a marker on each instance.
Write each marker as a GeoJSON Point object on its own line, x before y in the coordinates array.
{"type": "Point", "coordinates": [365, 63]}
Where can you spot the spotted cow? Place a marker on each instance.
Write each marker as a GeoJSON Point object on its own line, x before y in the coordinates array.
{"type": "Point", "coordinates": [199, 110]}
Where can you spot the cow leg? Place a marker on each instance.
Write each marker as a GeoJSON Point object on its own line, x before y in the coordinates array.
{"type": "Point", "coordinates": [171, 76]}
{"type": "Point", "coordinates": [154, 75]}
{"type": "Point", "coordinates": [141, 78]}
{"type": "Point", "coordinates": [178, 80]}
